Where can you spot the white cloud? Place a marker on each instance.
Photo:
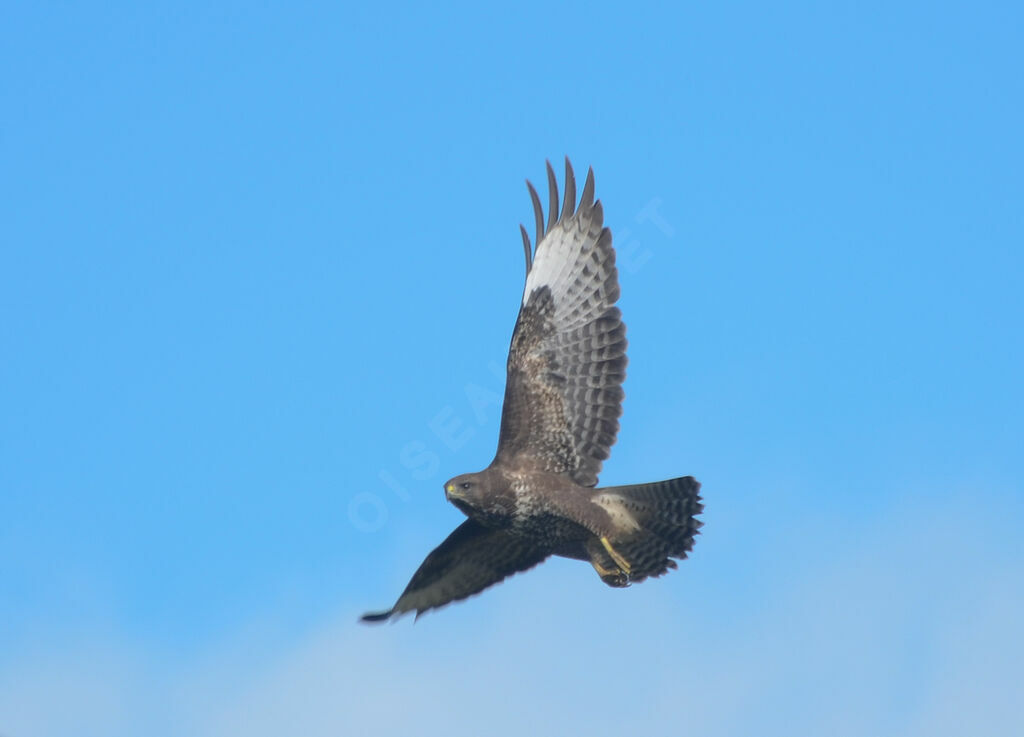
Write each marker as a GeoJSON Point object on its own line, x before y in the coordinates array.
{"type": "Point", "coordinates": [916, 631]}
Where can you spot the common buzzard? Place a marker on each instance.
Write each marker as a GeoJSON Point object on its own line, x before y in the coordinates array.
{"type": "Point", "coordinates": [563, 399]}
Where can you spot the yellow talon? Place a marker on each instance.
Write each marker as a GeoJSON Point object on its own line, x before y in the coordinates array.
{"type": "Point", "coordinates": [619, 560]}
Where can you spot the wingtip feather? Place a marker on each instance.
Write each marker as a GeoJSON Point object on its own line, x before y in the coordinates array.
{"type": "Point", "coordinates": [552, 197]}
{"type": "Point", "coordinates": [587, 200]}
{"type": "Point", "coordinates": [569, 202]}
{"type": "Point", "coordinates": [538, 212]}
{"type": "Point", "coordinates": [527, 249]}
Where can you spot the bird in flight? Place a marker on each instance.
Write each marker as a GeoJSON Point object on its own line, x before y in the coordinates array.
{"type": "Point", "coordinates": [563, 399]}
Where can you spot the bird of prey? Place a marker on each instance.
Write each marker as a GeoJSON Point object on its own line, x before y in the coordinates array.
{"type": "Point", "coordinates": [563, 399]}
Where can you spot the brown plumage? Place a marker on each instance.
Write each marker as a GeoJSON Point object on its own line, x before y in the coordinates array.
{"type": "Point", "coordinates": [563, 399]}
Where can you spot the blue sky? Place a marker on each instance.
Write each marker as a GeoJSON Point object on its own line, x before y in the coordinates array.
{"type": "Point", "coordinates": [253, 257]}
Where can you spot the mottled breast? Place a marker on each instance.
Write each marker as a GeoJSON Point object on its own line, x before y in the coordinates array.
{"type": "Point", "coordinates": [542, 515]}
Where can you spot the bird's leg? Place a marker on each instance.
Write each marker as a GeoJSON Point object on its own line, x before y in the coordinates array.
{"type": "Point", "coordinates": [616, 556]}
{"type": "Point", "coordinates": [613, 576]}
{"type": "Point", "coordinates": [605, 572]}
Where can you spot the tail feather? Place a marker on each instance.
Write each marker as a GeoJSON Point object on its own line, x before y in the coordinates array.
{"type": "Point", "coordinates": [659, 522]}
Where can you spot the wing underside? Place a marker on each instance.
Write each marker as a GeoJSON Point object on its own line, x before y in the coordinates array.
{"type": "Point", "coordinates": [472, 558]}
{"type": "Point", "coordinates": [567, 360]}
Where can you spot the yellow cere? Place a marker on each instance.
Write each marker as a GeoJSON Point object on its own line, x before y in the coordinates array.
{"type": "Point", "coordinates": [451, 487]}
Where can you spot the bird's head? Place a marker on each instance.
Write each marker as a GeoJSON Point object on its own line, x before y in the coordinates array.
{"type": "Point", "coordinates": [466, 491]}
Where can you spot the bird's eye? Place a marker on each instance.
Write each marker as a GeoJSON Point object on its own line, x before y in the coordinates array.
{"type": "Point", "coordinates": [465, 484]}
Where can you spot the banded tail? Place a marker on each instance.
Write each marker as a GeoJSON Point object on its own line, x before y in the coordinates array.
{"type": "Point", "coordinates": [657, 522]}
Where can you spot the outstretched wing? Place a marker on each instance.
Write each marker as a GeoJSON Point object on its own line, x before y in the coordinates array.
{"type": "Point", "coordinates": [472, 558]}
{"type": "Point", "coordinates": [567, 361]}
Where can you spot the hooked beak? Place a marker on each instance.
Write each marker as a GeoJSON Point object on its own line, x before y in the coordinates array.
{"type": "Point", "coordinates": [457, 497]}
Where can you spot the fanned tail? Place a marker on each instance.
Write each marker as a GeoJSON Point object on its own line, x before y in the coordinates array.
{"type": "Point", "coordinates": [659, 522]}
